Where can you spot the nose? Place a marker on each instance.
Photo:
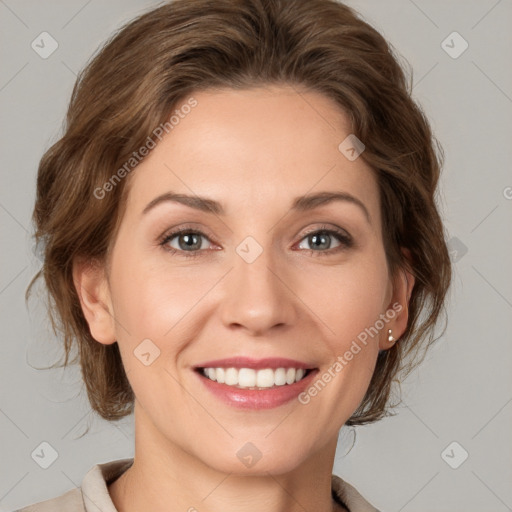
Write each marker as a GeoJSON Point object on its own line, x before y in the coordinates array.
{"type": "Point", "coordinates": [258, 296]}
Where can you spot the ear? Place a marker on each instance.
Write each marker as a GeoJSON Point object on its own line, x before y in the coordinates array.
{"type": "Point", "coordinates": [403, 284]}
{"type": "Point", "coordinates": [93, 290]}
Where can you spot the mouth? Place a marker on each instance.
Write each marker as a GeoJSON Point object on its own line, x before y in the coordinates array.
{"type": "Point", "coordinates": [247, 373]}
{"type": "Point", "coordinates": [255, 384]}
{"type": "Point", "coordinates": [250, 378]}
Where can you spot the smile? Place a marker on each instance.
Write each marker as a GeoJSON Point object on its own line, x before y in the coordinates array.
{"type": "Point", "coordinates": [250, 378]}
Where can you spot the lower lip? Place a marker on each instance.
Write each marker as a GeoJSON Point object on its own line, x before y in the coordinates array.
{"type": "Point", "coordinates": [254, 398]}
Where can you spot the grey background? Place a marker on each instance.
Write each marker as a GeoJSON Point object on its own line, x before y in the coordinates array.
{"type": "Point", "coordinates": [463, 391]}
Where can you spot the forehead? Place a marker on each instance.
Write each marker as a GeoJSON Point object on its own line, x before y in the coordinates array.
{"type": "Point", "coordinates": [255, 148]}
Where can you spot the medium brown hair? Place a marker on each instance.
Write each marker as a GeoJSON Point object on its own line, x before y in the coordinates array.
{"type": "Point", "coordinates": [133, 83]}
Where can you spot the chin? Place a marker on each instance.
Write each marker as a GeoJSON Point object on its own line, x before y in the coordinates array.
{"type": "Point", "coordinates": [255, 459]}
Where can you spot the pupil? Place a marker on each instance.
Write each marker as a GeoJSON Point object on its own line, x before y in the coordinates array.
{"type": "Point", "coordinates": [190, 242]}
{"type": "Point", "coordinates": [322, 238]}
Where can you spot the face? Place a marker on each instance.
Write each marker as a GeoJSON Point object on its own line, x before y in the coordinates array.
{"type": "Point", "coordinates": [256, 273]}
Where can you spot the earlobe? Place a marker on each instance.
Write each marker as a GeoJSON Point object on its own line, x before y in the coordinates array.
{"type": "Point", "coordinates": [402, 291]}
{"type": "Point", "coordinates": [93, 291]}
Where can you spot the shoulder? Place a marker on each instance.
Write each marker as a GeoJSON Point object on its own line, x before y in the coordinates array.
{"type": "Point", "coordinates": [347, 495]}
{"type": "Point", "coordinates": [70, 501]}
{"type": "Point", "coordinates": [91, 495]}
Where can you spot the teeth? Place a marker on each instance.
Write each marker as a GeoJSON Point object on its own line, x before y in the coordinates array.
{"type": "Point", "coordinates": [250, 378]}
{"type": "Point", "coordinates": [220, 375]}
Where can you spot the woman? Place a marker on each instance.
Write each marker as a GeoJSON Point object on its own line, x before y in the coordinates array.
{"type": "Point", "coordinates": [240, 235]}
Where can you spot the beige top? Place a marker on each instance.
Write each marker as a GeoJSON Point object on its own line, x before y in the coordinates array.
{"type": "Point", "coordinates": [93, 494]}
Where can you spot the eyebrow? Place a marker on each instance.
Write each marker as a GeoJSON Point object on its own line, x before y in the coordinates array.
{"type": "Point", "coordinates": [301, 203]}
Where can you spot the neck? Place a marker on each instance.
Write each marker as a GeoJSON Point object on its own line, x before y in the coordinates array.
{"type": "Point", "coordinates": [164, 477]}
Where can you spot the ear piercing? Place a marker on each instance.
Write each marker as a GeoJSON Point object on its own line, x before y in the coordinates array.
{"type": "Point", "coordinates": [390, 336]}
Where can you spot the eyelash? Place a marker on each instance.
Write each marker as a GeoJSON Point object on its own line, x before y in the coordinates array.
{"type": "Point", "coordinates": [345, 240]}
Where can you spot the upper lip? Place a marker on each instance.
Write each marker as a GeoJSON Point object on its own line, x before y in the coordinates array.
{"type": "Point", "coordinates": [257, 364]}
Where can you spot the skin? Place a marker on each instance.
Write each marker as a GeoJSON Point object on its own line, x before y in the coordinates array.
{"type": "Point", "coordinates": [253, 151]}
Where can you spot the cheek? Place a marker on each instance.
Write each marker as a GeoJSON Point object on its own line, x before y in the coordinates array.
{"type": "Point", "coordinates": [347, 299]}
{"type": "Point", "coordinates": [155, 300]}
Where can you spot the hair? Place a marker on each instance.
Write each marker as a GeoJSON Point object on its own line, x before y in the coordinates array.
{"type": "Point", "coordinates": [154, 62]}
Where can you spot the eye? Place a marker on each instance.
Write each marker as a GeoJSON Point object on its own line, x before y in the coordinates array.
{"type": "Point", "coordinates": [321, 241]}
{"type": "Point", "coordinates": [185, 241]}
